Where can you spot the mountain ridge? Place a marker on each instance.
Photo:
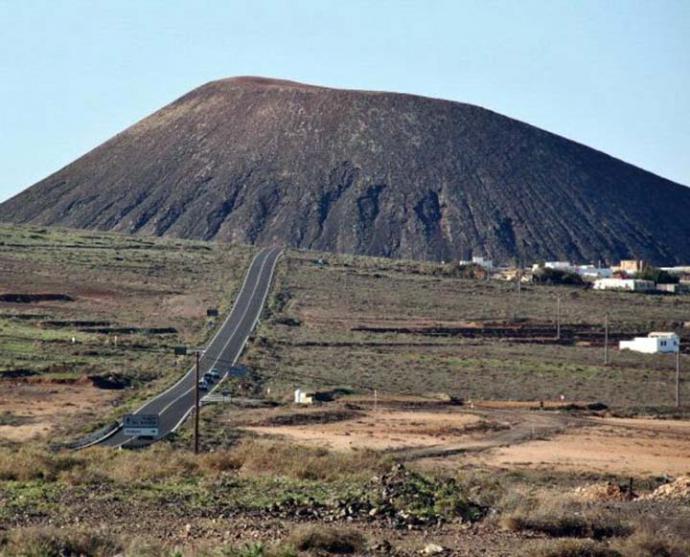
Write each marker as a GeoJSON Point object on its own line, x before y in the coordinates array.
{"type": "Point", "coordinates": [260, 160]}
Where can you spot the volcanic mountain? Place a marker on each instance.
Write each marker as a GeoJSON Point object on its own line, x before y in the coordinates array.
{"type": "Point", "coordinates": [266, 161]}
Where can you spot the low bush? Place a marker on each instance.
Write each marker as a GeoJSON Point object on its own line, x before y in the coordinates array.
{"type": "Point", "coordinates": [28, 463]}
{"type": "Point", "coordinates": [571, 548]}
{"type": "Point", "coordinates": [54, 542]}
{"type": "Point", "coordinates": [471, 271]}
{"type": "Point", "coordinates": [162, 461]}
{"type": "Point", "coordinates": [546, 275]}
{"type": "Point", "coordinates": [328, 539]}
{"type": "Point", "coordinates": [653, 543]}
{"type": "Point", "coordinates": [565, 518]}
{"type": "Point", "coordinates": [658, 275]}
{"type": "Point", "coordinates": [297, 462]}
{"type": "Point", "coordinates": [257, 549]}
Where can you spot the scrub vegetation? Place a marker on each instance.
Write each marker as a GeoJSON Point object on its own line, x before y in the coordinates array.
{"type": "Point", "coordinates": [88, 321]}
{"type": "Point", "coordinates": [101, 313]}
{"type": "Point", "coordinates": [411, 327]}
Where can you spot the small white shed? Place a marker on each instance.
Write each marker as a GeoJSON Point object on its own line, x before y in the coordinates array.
{"type": "Point", "coordinates": [303, 397]}
{"type": "Point", "coordinates": [654, 343]}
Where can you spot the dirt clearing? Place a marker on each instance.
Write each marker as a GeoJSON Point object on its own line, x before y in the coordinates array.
{"type": "Point", "coordinates": [383, 429]}
{"type": "Point", "coordinates": [511, 438]}
{"type": "Point", "coordinates": [636, 447]}
{"type": "Point", "coordinates": [35, 410]}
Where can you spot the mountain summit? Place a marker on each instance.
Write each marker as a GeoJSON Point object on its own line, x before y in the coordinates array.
{"type": "Point", "coordinates": [267, 161]}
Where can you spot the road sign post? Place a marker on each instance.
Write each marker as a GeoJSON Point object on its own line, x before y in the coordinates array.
{"type": "Point", "coordinates": [141, 425]}
{"type": "Point", "coordinates": [196, 405]}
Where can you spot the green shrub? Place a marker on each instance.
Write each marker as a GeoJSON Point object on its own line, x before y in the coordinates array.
{"type": "Point", "coordinates": [657, 275]}
{"type": "Point", "coordinates": [557, 276]}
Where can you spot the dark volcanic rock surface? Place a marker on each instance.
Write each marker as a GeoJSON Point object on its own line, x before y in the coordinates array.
{"type": "Point", "coordinates": [264, 161]}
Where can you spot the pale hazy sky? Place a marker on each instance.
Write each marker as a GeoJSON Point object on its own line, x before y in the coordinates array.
{"type": "Point", "coordinates": [612, 74]}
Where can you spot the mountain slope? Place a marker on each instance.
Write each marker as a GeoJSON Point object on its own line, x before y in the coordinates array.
{"type": "Point", "coordinates": [263, 161]}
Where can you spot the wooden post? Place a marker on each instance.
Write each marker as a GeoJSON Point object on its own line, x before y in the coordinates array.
{"type": "Point", "coordinates": [606, 339]}
{"type": "Point", "coordinates": [558, 317]}
{"type": "Point", "coordinates": [518, 288]}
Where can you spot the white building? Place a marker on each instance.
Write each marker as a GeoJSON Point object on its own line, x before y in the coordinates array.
{"type": "Point", "coordinates": [633, 285]}
{"type": "Point", "coordinates": [682, 270]}
{"type": "Point", "coordinates": [671, 288]}
{"type": "Point", "coordinates": [303, 397]}
{"type": "Point", "coordinates": [592, 272]}
{"type": "Point", "coordinates": [654, 343]}
{"type": "Point", "coordinates": [559, 265]}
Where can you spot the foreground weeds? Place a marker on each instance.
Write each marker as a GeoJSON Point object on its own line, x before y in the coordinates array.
{"type": "Point", "coordinates": [292, 461]}
{"type": "Point", "coordinates": [328, 539]}
{"type": "Point", "coordinates": [643, 543]}
{"type": "Point", "coordinates": [571, 548]}
{"type": "Point", "coordinates": [249, 458]}
{"type": "Point", "coordinates": [88, 502]}
{"type": "Point", "coordinates": [646, 542]}
{"type": "Point", "coordinates": [64, 542]}
{"type": "Point", "coordinates": [49, 542]}
{"type": "Point", "coordinates": [576, 528]}
{"type": "Point", "coordinates": [563, 517]}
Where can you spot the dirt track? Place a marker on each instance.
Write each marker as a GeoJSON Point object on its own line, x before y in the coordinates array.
{"type": "Point", "coordinates": [524, 426]}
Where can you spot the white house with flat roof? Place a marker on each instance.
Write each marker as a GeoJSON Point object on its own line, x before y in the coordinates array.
{"type": "Point", "coordinates": [654, 343]}
{"type": "Point", "coordinates": [633, 285]}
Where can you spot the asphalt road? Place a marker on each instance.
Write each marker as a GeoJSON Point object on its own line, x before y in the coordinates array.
{"type": "Point", "coordinates": [176, 403]}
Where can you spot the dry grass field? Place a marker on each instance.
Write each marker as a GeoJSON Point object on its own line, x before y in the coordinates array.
{"type": "Point", "coordinates": [102, 337]}
{"type": "Point", "coordinates": [312, 337]}
{"type": "Point", "coordinates": [435, 439]}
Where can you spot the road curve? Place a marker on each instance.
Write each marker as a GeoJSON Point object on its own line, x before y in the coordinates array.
{"type": "Point", "coordinates": [177, 402]}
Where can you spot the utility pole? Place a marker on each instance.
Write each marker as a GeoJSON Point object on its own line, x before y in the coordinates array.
{"type": "Point", "coordinates": [196, 405]}
{"type": "Point", "coordinates": [678, 377]}
{"type": "Point", "coordinates": [558, 317]}
{"type": "Point", "coordinates": [606, 339]}
{"type": "Point", "coordinates": [518, 287]}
